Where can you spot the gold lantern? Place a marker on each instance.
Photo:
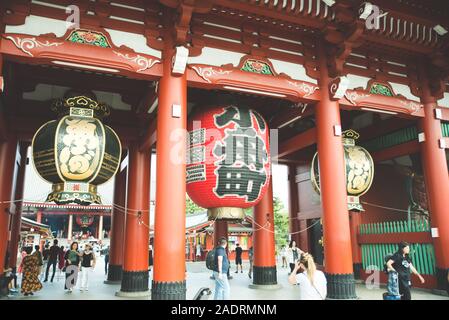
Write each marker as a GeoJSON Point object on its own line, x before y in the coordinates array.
{"type": "Point", "coordinates": [359, 167]}
{"type": "Point", "coordinates": [77, 152]}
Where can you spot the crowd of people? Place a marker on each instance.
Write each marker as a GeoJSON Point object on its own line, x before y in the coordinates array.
{"type": "Point", "coordinates": [35, 265]}
{"type": "Point", "coordinates": [311, 282]}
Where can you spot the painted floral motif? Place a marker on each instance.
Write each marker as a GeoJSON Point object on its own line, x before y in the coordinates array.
{"type": "Point", "coordinates": [28, 44]}
{"type": "Point", "coordinates": [307, 89]}
{"type": "Point", "coordinates": [257, 66]}
{"type": "Point", "coordinates": [412, 106]}
{"type": "Point", "coordinates": [353, 96]}
{"type": "Point", "coordinates": [206, 73]}
{"type": "Point", "coordinates": [143, 62]}
{"type": "Point", "coordinates": [89, 37]}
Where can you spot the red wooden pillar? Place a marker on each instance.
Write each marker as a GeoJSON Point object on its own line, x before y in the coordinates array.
{"type": "Point", "coordinates": [294, 205]}
{"type": "Point", "coordinates": [17, 218]}
{"type": "Point", "coordinates": [355, 219]}
{"type": "Point", "coordinates": [135, 264]}
{"type": "Point", "coordinates": [169, 225]}
{"type": "Point", "coordinates": [220, 231]}
{"type": "Point", "coordinates": [437, 181]}
{"type": "Point", "coordinates": [337, 236]}
{"type": "Point", "coordinates": [8, 151]}
{"type": "Point", "coordinates": [118, 223]}
{"type": "Point", "coordinates": [39, 217]}
{"type": "Point", "coordinates": [263, 240]}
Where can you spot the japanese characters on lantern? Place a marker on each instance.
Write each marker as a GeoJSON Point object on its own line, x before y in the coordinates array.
{"type": "Point", "coordinates": [77, 152]}
{"type": "Point", "coordinates": [228, 160]}
{"type": "Point", "coordinates": [359, 167]}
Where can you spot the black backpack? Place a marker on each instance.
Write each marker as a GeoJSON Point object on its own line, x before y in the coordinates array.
{"type": "Point", "coordinates": [387, 258]}
{"type": "Point", "coordinates": [210, 260]}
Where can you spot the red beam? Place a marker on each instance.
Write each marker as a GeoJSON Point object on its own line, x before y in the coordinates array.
{"type": "Point", "coordinates": [150, 136]}
{"type": "Point", "coordinates": [298, 142]}
{"type": "Point", "coordinates": [396, 151]}
{"type": "Point", "coordinates": [410, 237]}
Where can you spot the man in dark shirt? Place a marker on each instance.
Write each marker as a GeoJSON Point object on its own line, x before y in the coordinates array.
{"type": "Point", "coordinates": [52, 259]}
{"type": "Point", "coordinates": [222, 289]}
{"type": "Point", "coordinates": [402, 264]}
{"type": "Point", "coordinates": [238, 258]}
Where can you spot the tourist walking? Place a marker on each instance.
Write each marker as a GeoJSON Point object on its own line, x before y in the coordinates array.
{"type": "Point", "coordinates": [37, 252]}
{"type": "Point", "coordinates": [72, 258]}
{"type": "Point", "coordinates": [30, 279]}
{"type": "Point", "coordinates": [106, 260]}
{"type": "Point", "coordinates": [45, 255]}
{"type": "Point", "coordinates": [221, 264]}
{"type": "Point", "coordinates": [52, 260]}
{"type": "Point", "coordinates": [238, 258]}
{"type": "Point", "coordinates": [312, 282]}
{"type": "Point", "coordinates": [23, 254]}
{"type": "Point", "coordinates": [284, 256]}
{"type": "Point", "coordinates": [251, 259]}
{"type": "Point", "coordinates": [402, 264]}
{"type": "Point", "coordinates": [87, 265]}
{"type": "Point", "coordinates": [293, 254]}
{"type": "Point", "coordinates": [198, 252]}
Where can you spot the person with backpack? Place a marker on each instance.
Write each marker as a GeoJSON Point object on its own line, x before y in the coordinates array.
{"type": "Point", "coordinates": [312, 282]}
{"type": "Point", "coordinates": [401, 263]}
{"type": "Point", "coordinates": [293, 253]}
{"type": "Point", "coordinates": [221, 268]}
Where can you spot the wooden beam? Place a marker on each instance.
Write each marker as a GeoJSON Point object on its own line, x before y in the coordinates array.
{"type": "Point", "coordinates": [287, 117]}
{"type": "Point", "coordinates": [400, 150]}
{"type": "Point", "coordinates": [297, 142]}
{"type": "Point", "coordinates": [149, 139]}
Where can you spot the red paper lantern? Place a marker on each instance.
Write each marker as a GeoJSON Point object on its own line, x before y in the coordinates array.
{"type": "Point", "coordinates": [228, 160]}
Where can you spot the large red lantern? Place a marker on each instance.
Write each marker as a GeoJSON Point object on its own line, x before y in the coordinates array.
{"type": "Point", "coordinates": [228, 160]}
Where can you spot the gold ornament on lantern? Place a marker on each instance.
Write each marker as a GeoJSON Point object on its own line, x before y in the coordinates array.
{"type": "Point", "coordinates": [359, 167]}
{"type": "Point", "coordinates": [77, 152]}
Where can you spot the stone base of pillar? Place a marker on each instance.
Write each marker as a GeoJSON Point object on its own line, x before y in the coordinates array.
{"type": "Point", "coordinates": [134, 284]}
{"type": "Point", "coordinates": [264, 276]}
{"type": "Point", "coordinates": [357, 269]}
{"type": "Point", "coordinates": [442, 282]}
{"type": "Point", "coordinates": [168, 290]}
{"type": "Point", "coordinates": [341, 286]}
{"type": "Point", "coordinates": [114, 274]}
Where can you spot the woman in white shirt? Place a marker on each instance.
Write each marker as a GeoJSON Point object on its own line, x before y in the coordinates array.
{"type": "Point", "coordinates": [293, 254]}
{"type": "Point", "coordinates": [312, 282]}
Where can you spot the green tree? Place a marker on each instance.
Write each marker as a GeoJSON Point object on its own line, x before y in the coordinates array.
{"type": "Point", "coordinates": [280, 223]}
{"type": "Point", "coordinates": [192, 207]}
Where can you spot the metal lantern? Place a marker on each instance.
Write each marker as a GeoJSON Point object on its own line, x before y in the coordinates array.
{"type": "Point", "coordinates": [77, 152]}
{"type": "Point", "coordinates": [359, 167]}
{"type": "Point", "coordinates": [228, 161]}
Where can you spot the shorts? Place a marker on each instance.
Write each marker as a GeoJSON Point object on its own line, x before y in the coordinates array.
{"type": "Point", "coordinates": [238, 261]}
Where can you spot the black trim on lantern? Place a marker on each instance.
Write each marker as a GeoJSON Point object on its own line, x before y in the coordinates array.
{"type": "Point", "coordinates": [441, 276]}
{"type": "Point", "coordinates": [115, 272]}
{"type": "Point", "coordinates": [264, 275]}
{"type": "Point", "coordinates": [357, 270]}
{"type": "Point", "coordinates": [168, 290]}
{"type": "Point", "coordinates": [341, 286]}
{"type": "Point", "coordinates": [134, 281]}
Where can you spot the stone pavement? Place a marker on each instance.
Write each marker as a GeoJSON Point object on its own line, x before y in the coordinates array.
{"type": "Point", "coordinates": [198, 277]}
